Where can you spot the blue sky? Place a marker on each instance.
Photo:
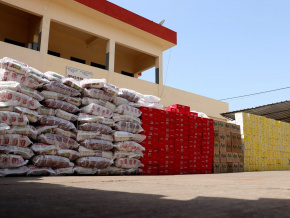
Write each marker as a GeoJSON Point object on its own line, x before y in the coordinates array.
{"type": "Point", "coordinates": [225, 48]}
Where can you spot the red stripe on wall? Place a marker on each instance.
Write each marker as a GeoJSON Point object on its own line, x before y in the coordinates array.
{"type": "Point", "coordinates": [131, 18]}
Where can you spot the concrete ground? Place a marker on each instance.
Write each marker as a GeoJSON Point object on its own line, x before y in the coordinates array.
{"type": "Point", "coordinates": [255, 194]}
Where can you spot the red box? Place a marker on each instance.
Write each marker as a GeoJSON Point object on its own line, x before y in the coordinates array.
{"type": "Point", "coordinates": [166, 145]}
{"type": "Point", "coordinates": [181, 156]}
{"type": "Point", "coordinates": [183, 131]}
{"type": "Point", "coordinates": [181, 142]}
{"type": "Point", "coordinates": [170, 114]}
{"type": "Point", "coordinates": [194, 153]}
{"type": "Point", "coordinates": [195, 146]}
{"type": "Point", "coordinates": [184, 116]}
{"type": "Point", "coordinates": [207, 152]}
{"type": "Point", "coordinates": [194, 149]}
{"type": "Point", "coordinates": [194, 166]}
{"type": "Point", "coordinates": [150, 133]}
{"type": "Point", "coordinates": [146, 115]}
{"type": "Point", "coordinates": [205, 171]}
{"type": "Point", "coordinates": [152, 146]}
{"type": "Point", "coordinates": [166, 172]}
{"type": "Point", "coordinates": [151, 150]}
{"type": "Point", "coordinates": [193, 138]}
{"type": "Point", "coordinates": [167, 134]}
{"type": "Point", "coordinates": [181, 136]}
{"type": "Point", "coordinates": [185, 171]}
{"type": "Point", "coordinates": [171, 109]}
{"type": "Point", "coordinates": [206, 161]}
{"type": "Point", "coordinates": [181, 151]}
{"type": "Point", "coordinates": [181, 120]}
{"type": "Point", "coordinates": [192, 114]}
{"type": "Point", "coordinates": [149, 110]}
{"type": "Point", "coordinates": [193, 171]}
{"type": "Point", "coordinates": [181, 171]}
{"type": "Point", "coordinates": [149, 172]}
{"type": "Point", "coordinates": [196, 157]}
{"type": "Point", "coordinates": [208, 135]}
{"type": "Point", "coordinates": [208, 129]}
{"type": "Point", "coordinates": [181, 162]}
{"type": "Point", "coordinates": [181, 107]}
{"type": "Point", "coordinates": [195, 161]}
{"type": "Point", "coordinates": [195, 128]}
{"type": "Point", "coordinates": [150, 167]}
{"type": "Point", "coordinates": [166, 167]}
{"type": "Point", "coordinates": [179, 145]}
{"type": "Point", "coordinates": [167, 162]}
{"type": "Point", "coordinates": [167, 130]}
{"type": "Point", "coordinates": [207, 122]}
{"type": "Point", "coordinates": [195, 121]}
{"type": "Point", "coordinates": [149, 161]}
{"type": "Point", "coordinates": [147, 127]}
{"type": "Point", "coordinates": [164, 156]}
{"type": "Point", "coordinates": [150, 155]}
{"type": "Point", "coordinates": [207, 145]}
{"type": "Point", "coordinates": [197, 141]}
{"type": "Point", "coordinates": [150, 141]}
{"type": "Point", "coordinates": [149, 121]}
{"type": "Point", "coordinates": [167, 125]}
{"type": "Point", "coordinates": [166, 150]}
{"type": "Point", "coordinates": [206, 166]}
{"type": "Point", "coordinates": [165, 119]}
{"type": "Point", "coordinates": [169, 140]}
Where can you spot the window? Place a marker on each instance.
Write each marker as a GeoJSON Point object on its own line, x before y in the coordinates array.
{"type": "Point", "coordinates": [98, 65]}
{"type": "Point", "coordinates": [78, 60]}
{"type": "Point", "coordinates": [77, 45]}
{"type": "Point", "coordinates": [14, 42]}
{"type": "Point", "coordinates": [127, 74]}
{"type": "Point", "coordinates": [56, 54]}
{"type": "Point", "coordinates": [19, 28]}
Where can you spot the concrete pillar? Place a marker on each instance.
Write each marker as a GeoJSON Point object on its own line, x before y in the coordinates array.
{"type": "Point", "coordinates": [159, 72]}
{"type": "Point", "coordinates": [110, 58]}
{"type": "Point", "coordinates": [44, 35]}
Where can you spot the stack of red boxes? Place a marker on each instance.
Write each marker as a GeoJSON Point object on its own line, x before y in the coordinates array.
{"type": "Point", "coordinates": [151, 143]}
{"type": "Point", "coordinates": [178, 141]}
{"type": "Point", "coordinates": [181, 138]}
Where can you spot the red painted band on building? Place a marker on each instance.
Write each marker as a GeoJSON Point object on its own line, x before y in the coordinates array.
{"type": "Point", "coordinates": [131, 18]}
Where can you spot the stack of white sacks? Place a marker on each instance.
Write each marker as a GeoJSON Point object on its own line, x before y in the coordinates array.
{"type": "Point", "coordinates": [100, 131]}
{"type": "Point", "coordinates": [56, 146]}
{"type": "Point", "coordinates": [95, 128]}
{"type": "Point", "coordinates": [150, 101]}
{"type": "Point", "coordinates": [19, 102]}
{"type": "Point", "coordinates": [127, 148]}
{"type": "Point", "coordinates": [52, 125]}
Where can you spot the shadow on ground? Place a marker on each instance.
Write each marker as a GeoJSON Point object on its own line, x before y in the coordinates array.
{"type": "Point", "coordinates": [32, 199]}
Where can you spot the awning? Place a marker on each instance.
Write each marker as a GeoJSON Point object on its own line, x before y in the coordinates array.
{"type": "Point", "coordinates": [278, 111]}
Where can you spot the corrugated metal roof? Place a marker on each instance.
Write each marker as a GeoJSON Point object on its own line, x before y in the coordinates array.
{"type": "Point", "coordinates": [277, 111]}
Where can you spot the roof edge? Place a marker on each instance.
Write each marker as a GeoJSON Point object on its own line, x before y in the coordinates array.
{"type": "Point", "coordinates": [131, 18]}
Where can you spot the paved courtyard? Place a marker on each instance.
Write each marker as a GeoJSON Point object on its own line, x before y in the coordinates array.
{"type": "Point", "coordinates": [255, 194]}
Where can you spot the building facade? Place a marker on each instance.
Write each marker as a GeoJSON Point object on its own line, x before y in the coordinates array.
{"type": "Point", "coordinates": [94, 39]}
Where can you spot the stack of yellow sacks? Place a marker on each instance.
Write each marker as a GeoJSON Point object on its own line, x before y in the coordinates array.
{"type": "Point", "coordinates": [266, 143]}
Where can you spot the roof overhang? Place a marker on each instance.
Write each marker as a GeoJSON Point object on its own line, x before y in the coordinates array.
{"type": "Point", "coordinates": [278, 111]}
{"type": "Point", "coordinates": [132, 19]}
